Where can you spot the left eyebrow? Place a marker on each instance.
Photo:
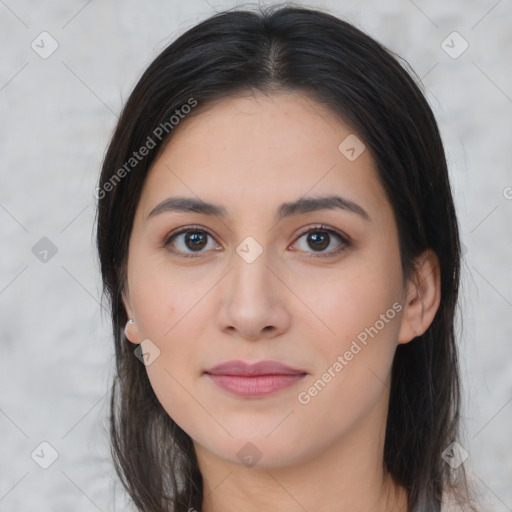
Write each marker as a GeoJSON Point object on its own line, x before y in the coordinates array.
{"type": "Point", "coordinates": [312, 204]}
{"type": "Point", "coordinates": [300, 206]}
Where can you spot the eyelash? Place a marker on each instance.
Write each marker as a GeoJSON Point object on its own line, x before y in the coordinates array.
{"type": "Point", "coordinates": [344, 241]}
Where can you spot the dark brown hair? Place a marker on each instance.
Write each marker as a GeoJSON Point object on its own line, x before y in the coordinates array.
{"type": "Point", "coordinates": [336, 64]}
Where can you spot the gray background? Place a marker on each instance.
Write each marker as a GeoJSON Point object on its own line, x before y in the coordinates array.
{"type": "Point", "coordinates": [57, 114]}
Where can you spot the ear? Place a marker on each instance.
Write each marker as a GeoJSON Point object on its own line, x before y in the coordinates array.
{"type": "Point", "coordinates": [131, 329]}
{"type": "Point", "coordinates": [422, 297]}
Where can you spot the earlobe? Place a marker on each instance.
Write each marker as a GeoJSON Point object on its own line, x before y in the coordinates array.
{"type": "Point", "coordinates": [131, 330]}
{"type": "Point", "coordinates": [423, 297]}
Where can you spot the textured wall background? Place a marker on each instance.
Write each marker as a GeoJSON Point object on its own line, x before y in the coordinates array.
{"type": "Point", "coordinates": [57, 114]}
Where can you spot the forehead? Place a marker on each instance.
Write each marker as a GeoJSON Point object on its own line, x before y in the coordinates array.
{"type": "Point", "coordinates": [255, 150]}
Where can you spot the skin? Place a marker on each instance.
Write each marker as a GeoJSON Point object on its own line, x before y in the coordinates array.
{"type": "Point", "coordinates": [250, 154]}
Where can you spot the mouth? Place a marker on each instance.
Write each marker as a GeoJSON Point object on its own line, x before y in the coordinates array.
{"type": "Point", "coordinates": [254, 380]}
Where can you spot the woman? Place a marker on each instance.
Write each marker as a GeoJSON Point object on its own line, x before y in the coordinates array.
{"type": "Point", "coordinates": [278, 241]}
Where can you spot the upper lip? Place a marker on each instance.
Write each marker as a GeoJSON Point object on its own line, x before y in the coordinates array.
{"type": "Point", "coordinates": [260, 368]}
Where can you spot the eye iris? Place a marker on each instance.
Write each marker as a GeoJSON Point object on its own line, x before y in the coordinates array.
{"type": "Point", "coordinates": [196, 238]}
{"type": "Point", "coordinates": [320, 240]}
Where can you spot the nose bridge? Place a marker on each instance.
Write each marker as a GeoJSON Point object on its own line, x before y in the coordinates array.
{"type": "Point", "coordinates": [251, 274]}
{"type": "Point", "coordinates": [252, 303]}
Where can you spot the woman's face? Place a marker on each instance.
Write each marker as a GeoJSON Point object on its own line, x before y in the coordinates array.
{"type": "Point", "coordinates": [256, 279]}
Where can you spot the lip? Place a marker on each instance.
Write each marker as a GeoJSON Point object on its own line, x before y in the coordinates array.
{"type": "Point", "coordinates": [254, 379]}
{"type": "Point", "coordinates": [237, 367]}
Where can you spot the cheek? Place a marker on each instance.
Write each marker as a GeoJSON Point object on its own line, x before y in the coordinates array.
{"type": "Point", "coordinates": [352, 300]}
{"type": "Point", "coordinates": [159, 297]}
{"type": "Point", "coordinates": [169, 378]}
{"type": "Point", "coordinates": [354, 363]}
{"type": "Point", "coordinates": [168, 307]}
{"type": "Point", "coordinates": [360, 313]}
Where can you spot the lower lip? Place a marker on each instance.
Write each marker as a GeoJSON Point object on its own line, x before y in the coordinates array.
{"type": "Point", "coordinates": [255, 386]}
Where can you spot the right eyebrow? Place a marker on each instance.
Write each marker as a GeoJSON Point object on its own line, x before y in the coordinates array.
{"type": "Point", "coordinates": [187, 204]}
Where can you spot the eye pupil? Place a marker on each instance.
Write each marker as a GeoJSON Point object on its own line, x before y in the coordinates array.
{"type": "Point", "coordinates": [319, 236]}
{"type": "Point", "coordinates": [197, 239]}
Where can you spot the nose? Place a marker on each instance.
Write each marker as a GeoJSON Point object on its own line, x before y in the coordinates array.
{"type": "Point", "coordinates": [254, 300]}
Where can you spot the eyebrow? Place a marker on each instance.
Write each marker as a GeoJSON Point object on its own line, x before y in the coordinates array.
{"type": "Point", "coordinates": [300, 206]}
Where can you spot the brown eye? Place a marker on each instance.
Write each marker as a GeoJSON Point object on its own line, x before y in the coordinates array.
{"type": "Point", "coordinates": [190, 240]}
{"type": "Point", "coordinates": [195, 240]}
{"type": "Point", "coordinates": [319, 239]}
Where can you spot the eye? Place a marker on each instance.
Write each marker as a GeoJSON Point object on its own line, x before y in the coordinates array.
{"type": "Point", "coordinates": [190, 240]}
{"type": "Point", "coordinates": [319, 238]}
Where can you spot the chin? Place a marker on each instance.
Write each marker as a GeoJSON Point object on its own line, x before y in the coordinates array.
{"type": "Point", "coordinates": [260, 452]}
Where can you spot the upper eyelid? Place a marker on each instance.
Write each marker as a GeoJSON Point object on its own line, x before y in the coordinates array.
{"type": "Point", "coordinates": [323, 227]}
{"type": "Point", "coordinates": [184, 229]}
